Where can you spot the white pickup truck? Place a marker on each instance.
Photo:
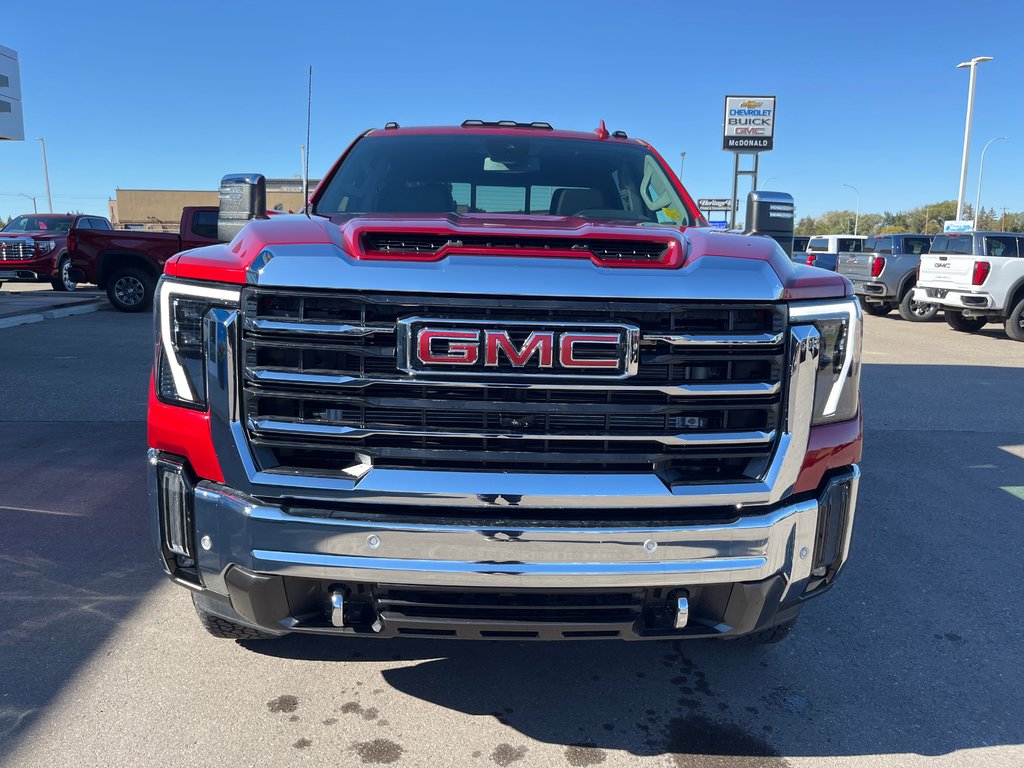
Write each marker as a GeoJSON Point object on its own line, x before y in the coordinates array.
{"type": "Point", "coordinates": [978, 278]}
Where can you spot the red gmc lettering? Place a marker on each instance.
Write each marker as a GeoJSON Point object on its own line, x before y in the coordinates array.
{"type": "Point", "coordinates": [463, 347]}
{"type": "Point", "coordinates": [542, 341]}
{"type": "Point", "coordinates": [567, 350]}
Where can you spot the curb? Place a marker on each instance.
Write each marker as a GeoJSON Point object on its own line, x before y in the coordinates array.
{"type": "Point", "coordinates": [51, 314]}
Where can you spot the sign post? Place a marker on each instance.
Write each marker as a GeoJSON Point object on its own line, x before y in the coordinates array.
{"type": "Point", "coordinates": [749, 129]}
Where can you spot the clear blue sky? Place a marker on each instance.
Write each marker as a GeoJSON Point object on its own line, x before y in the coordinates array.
{"type": "Point", "coordinates": [174, 95]}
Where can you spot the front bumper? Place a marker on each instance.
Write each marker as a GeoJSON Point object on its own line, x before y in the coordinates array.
{"type": "Point", "coordinates": [276, 567]}
{"type": "Point", "coordinates": [19, 274]}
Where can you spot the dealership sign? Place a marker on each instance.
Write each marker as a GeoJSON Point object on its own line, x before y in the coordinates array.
{"type": "Point", "coordinates": [964, 225]}
{"type": "Point", "coordinates": [715, 204]}
{"type": "Point", "coordinates": [749, 123]}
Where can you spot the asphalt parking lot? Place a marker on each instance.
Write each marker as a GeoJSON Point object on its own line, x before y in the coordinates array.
{"type": "Point", "coordinates": [912, 660]}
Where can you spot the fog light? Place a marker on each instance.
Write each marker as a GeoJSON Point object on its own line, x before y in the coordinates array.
{"type": "Point", "coordinates": [833, 521]}
{"type": "Point", "coordinates": [175, 505]}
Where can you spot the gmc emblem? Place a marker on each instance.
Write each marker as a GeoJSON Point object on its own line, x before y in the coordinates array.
{"type": "Point", "coordinates": [496, 348]}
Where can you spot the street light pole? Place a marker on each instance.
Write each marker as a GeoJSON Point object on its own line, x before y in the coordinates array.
{"type": "Point", "coordinates": [46, 175]}
{"type": "Point", "coordinates": [981, 171]}
{"type": "Point", "coordinates": [682, 159]}
{"type": "Point", "coordinates": [33, 199]}
{"type": "Point", "coordinates": [302, 173]}
{"type": "Point", "coordinates": [856, 221]}
{"type": "Point", "coordinates": [973, 66]}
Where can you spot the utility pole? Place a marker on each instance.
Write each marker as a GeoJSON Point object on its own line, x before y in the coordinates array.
{"type": "Point", "coordinates": [1002, 221]}
{"type": "Point", "coordinates": [973, 66]}
{"type": "Point", "coordinates": [46, 175]}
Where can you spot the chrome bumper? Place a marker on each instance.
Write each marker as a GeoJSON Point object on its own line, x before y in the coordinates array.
{"type": "Point", "coordinates": [233, 530]}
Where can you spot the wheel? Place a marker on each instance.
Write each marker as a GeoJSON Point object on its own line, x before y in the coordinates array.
{"type": "Point", "coordinates": [1015, 322]}
{"type": "Point", "coordinates": [956, 320]}
{"type": "Point", "coordinates": [130, 289]}
{"type": "Point", "coordinates": [917, 311]}
{"type": "Point", "coordinates": [63, 281]}
{"type": "Point", "coordinates": [878, 310]}
{"type": "Point", "coordinates": [219, 627]}
{"type": "Point", "coordinates": [770, 636]}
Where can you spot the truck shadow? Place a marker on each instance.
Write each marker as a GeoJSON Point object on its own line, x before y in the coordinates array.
{"type": "Point", "coordinates": [71, 569]}
{"type": "Point", "coordinates": [912, 652]}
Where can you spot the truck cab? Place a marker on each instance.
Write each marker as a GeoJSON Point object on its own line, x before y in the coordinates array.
{"type": "Point", "coordinates": [884, 275]}
{"type": "Point", "coordinates": [977, 278]}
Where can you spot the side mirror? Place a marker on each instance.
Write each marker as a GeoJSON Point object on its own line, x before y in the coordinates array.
{"type": "Point", "coordinates": [771, 214]}
{"type": "Point", "coordinates": [243, 197]}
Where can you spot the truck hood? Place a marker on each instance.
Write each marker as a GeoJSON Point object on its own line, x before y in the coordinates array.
{"type": "Point", "coordinates": [33, 235]}
{"type": "Point", "coordinates": [505, 254]}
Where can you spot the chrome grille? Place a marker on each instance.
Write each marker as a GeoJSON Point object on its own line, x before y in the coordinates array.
{"type": "Point", "coordinates": [22, 249]}
{"type": "Point", "coordinates": [322, 391]}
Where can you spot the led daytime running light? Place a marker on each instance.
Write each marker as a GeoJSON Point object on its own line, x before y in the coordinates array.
{"type": "Point", "coordinates": [167, 291]}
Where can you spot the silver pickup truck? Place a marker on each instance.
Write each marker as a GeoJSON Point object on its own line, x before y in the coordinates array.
{"type": "Point", "coordinates": [885, 273]}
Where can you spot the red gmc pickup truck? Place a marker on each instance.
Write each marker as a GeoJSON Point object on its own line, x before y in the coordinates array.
{"type": "Point", "coordinates": [502, 382]}
{"type": "Point", "coordinates": [36, 248]}
{"type": "Point", "coordinates": [127, 263]}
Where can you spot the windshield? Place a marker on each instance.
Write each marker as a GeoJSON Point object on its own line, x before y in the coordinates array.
{"type": "Point", "coordinates": [502, 174]}
{"type": "Point", "coordinates": [40, 224]}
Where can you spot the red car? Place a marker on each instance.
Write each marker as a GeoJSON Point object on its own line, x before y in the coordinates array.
{"type": "Point", "coordinates": [34, 248]}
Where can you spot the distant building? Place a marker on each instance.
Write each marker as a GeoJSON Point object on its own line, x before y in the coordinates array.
{"type": "Point", "coordinates": [12, 120]}
{"type": "Point", "coordinates": [160, 209]}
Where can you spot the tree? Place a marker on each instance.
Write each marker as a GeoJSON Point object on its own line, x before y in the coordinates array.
{"type": "Point", "coordinates": [928, 219]}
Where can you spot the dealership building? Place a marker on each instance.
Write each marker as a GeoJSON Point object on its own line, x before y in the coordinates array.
{"type": "Point", "coordinates": [160, 209]}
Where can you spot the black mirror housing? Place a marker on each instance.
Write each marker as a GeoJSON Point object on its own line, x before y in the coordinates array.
{"type": "Point", "coordinates": [243, 197]}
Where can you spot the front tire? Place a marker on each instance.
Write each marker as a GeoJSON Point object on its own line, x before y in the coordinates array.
{"type": "Point", "coordinates": [130, 289]}
{"type": "Point", "coordinates": [956, 320]}
{"type": "Point", "coordinates": [1015, 322]}
{"type": "Point", "coordinates": [917, 311]}
{"type": "Point", "coordinates": [229, 630]}
{"type": "Point", "coordinates": [770, 636]}
{"type": "Point", "coordinates": [63, 282]}
{"type": "Point", "coordinates": [876, 310]}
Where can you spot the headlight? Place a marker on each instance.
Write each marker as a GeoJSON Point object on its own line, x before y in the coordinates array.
{"type": "Point", "coordinates": [44, 246]}
{"type": "Point", "coordinates": [180, 359]}
{"type": "Point", "coordinates": [837, 388]}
